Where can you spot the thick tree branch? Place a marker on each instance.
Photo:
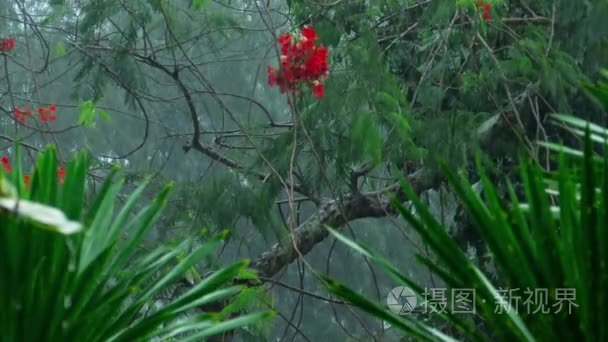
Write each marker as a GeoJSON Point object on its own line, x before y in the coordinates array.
{"type": "Point", "coordinates": [336, 214]}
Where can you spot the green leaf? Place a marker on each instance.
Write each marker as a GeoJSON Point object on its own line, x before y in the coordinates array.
{"type": "Point", "coordinates": [103, 115]}
{"type": "Point", "coordinates": [88, 113]}
{"type": "Point", "coordinates": [365, 138]}
{"type": "Point", "coordinates": [409, 325]}
{"type": "Point", "coordinates": [59, 50]}
{"type": "Point", "coordinates": [232, 324]}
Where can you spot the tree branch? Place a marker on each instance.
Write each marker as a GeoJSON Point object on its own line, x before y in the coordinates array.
{"type": "Point", "coordinates": [336, 214]}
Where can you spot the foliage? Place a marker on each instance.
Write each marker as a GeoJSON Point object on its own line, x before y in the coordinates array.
{"type": "Point", "coordinates": [88, 114]}
{"type": "Point", "coordinates": [184, 83]}
{"type": "Point", "coordinates": [452, 70]}
{"type": "Point", "coordinates": [72, 272]}
{"type": "Point", "coordinates": [555, 240]}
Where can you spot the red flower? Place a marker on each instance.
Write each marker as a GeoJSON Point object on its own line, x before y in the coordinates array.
{"type": "Point", "coordinates": [301, 62]}
{"type": "Point", "coordinates": [27, 180]}
{"type": "Point", "coordinates": [272, 76]}
{"type": "Point", "coordinates": [47, 113]}
{"type": "Point", "coordinates": [19, 115]}
{"type": "Point", "coordinates": [309, 33]}
{"type": "Point", "coordinates": [487, 12]}
{"type": "Point", "coordinates": [6, 164]}
{"type": "Point", "coordinates": [318, 89]}
{"type": "Point", "coordinates": [316, 65]}
{"type": "Point", "coordinates": [22, 114]}
{"type": "Point", "coordinates": [308, 37]}
{"type": "Point", "coordinates": [284, 42]}
{"type": "Point", "coordinates": [7, 44]}
{"type": "Point", "coordinates": [61, 174]}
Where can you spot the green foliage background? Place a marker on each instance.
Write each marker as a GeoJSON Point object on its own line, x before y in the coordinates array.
{"type": "Point", "coordinates": [411, 83]}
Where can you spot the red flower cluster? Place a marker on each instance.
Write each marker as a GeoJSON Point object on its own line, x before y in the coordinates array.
{"type": "Point", "coordinates": [6, 164]}
{"type": "Point", "coordinates": [486, 10]}
{"type": "Point", "coordinates": [301, 62]}
{"type": "Point", "coordinates": [7, 44]}
{"type": "Point", "coordinates": [61, 174]}
{"type": "Point", "coordinates": [22, 114]}
{"type": "Point", "coordinates": [27, 179]}
{"type": "Point", "coordinates": [47, 114]}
